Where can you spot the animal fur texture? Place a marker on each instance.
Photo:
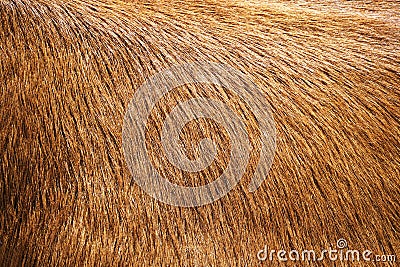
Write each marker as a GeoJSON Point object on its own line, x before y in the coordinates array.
{"type": "Point", "coordinates": [330, 70]}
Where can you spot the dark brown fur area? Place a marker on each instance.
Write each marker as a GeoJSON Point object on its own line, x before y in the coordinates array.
{"type": "Point", "coordinates": [68, 70]}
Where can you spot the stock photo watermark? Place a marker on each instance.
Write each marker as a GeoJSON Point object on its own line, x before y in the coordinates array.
{"type": "Point", "coordinates": [248, 142]}
{"type": "Point", "coordinates": [341, 252]}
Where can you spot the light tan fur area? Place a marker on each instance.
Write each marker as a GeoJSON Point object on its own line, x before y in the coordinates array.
{"type": "Point", "coordinates": [69, 69]}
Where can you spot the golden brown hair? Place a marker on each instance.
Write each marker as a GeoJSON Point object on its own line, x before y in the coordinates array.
{"type": "Point", "coordinates": [68, 69]}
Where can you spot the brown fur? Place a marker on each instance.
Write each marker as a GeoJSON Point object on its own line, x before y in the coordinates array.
{"type": "Point", "coordinates": [69, 69]}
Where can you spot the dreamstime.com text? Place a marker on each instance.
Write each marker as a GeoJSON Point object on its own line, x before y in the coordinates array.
{"type": "Point", "coordinates": [340, 253]}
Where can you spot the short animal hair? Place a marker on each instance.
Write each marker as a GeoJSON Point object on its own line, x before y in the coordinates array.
{"type": "Point", "coordinates": [68, 69]}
